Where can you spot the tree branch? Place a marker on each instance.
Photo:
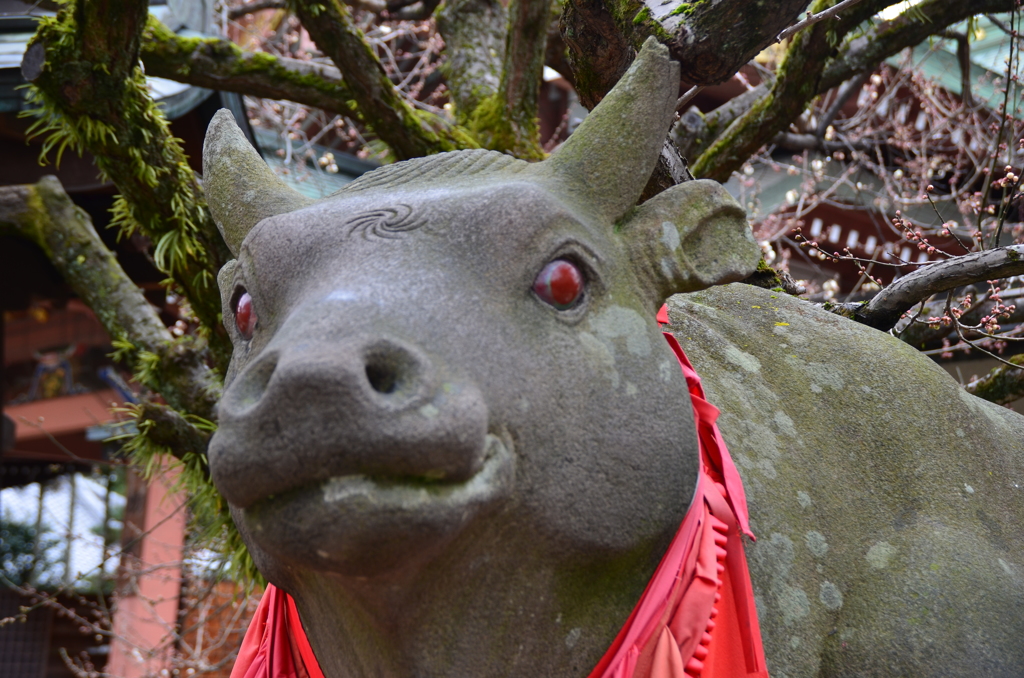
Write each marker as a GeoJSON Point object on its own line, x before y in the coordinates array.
{"type": "Point", "coordinates": [796, 84]}
{"type": "Point", "coordinates": [886, 38]}
{"type": "Point", "coordinates": [408, 132]}
{"type": "Point", "coordinates": [220, 64]}
{"type": "Point", "coordinates": [44, 214]}
{"type": "Point", "coordinates": [888, 306]}
{"type": "Point", "coordinates": [1003, 384]}
{"type": "Point", "coordinates": [97, 101]}
{"type": "Point", "coordinates": [556, 54]}
{"type": "Point", "coordinates": [375, 6]}
{"type": "Point", "coordinates": [696, 131]}
{"type": "Point", "coordinates": [236, 13]}
{"type": "Point", "coordinates": [810, 142]}
{"type": "Point", "coordinates": [963, 57]}
{"type": "Point", "coordinates": [859, 57]}
{"type": "Point", "coordinates": [418, 10]}
{"type": "Point", "coordinates": [849, 88]}
{"type": "Point", "coordinates": [474, 36]}
{"type": "Point", "coordinates": [112, 43]}
{"type": "Point", "coordinates": [603, 36]}
{"type": "Point", "coordinates": [815, 18]}
{"type": "Point", "coordinates": [168, 428]}
{"type": "Point", "coordinates": [508, 121]}
{"type": "Point", "coordinates": [598, 52]}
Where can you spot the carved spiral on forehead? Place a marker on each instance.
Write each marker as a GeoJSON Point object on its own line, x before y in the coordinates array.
{"type": "Point", "coordinates": [389, 223]}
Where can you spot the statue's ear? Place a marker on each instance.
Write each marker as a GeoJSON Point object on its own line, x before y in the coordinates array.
{"type": "Point", "coordinates": [688, 238]}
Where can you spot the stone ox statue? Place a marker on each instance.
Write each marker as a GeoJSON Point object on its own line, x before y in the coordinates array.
{"type": "Point", "coordinates": [453, 431]}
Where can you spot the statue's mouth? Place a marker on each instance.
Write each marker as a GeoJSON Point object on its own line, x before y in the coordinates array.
{"type": "Point", "coordinates": [365, 525]}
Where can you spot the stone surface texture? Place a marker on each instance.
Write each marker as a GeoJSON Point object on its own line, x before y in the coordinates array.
{"type": "Point", "coordinates": [887, 502]}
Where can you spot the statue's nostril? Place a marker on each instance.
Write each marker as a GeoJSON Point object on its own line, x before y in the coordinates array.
{"type": "Point", "coordinates": [383, 377]}
{"type": "Point", "coordinates": [393, 370]}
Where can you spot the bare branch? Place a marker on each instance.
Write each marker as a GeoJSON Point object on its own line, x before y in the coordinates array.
{"type": "Point", "coordinates": [404, 11]}
{"type": "Point", "coordinates": [815, 18]}
{"type": "Point", "coordinates": [1001, 26]}
{"type": "Point", "coordinates": [44, 214]}
{"type": "Point", "coordinates": [217, 63]}
{"type": "Point", "coordinates": [963, 57]}
{"type": "Point", "coordinates": [688, 96]}
{"type": "Point", "coordinates": [809, 142]}
{"type": "Point", "coordinates": [408, 132]}
{"type": "Point", "coordinates": [238, 12]}
{"type": "Point", "coordinates": [849, 88]}
{"type": "Point", "coordinates": [886, 308]}
{"type": "Point", "coordinates": [886, 38]}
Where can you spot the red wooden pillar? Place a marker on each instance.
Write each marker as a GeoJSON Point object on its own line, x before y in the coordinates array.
{"type": "Point", "coordinates": [146, 611]}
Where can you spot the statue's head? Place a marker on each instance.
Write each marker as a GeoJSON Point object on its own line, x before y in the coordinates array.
{"type": "Point", "coordinates": [449, 370]}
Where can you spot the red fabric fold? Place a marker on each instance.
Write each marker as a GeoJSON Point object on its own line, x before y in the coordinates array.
{"type": "Point", "coordinates": [275, 645]}
{"type": "Point", "coordinates": [695, 618]}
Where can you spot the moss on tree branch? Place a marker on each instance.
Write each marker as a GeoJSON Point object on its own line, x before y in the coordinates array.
{"type": "Point", "coordinates": [1002, 385]}
{"type": "Point", "coordinates": [859, 54]}
{"type": "Point", "coordinates": [883, 40]}
{"type": "Point", "coordinates": [797, 83]}
{"type": "Point", "coordinates": [508, 122]}
{"type": "Point", "coordinates": [89, 99]}
{"type": "Point", "coordinates": [175, 368]}
{"type": "Point", "coordinates": [221, 64]}
{"type": "Point", "coordinates": [474, 37]}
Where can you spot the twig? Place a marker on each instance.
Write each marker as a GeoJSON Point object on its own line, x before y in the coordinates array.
{"type": "Point", "coordinates": [688, 96]}
{"type": "Point", "coordinates": [815, 18]}
{"type": "Point", "coordinates": [236, 13]}
{"type": "Point", "coordinates": [850, 88]}
{"type": "Point", "coordinates": [1001, 26]}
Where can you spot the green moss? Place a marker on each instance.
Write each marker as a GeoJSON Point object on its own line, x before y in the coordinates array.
{"type": "Point", "coordinates": [83, 106]}
{"type": "Point", "coordinates": [687, 8]}
{"type": "Point", "coordinates": [491, 128]}
{"type": "Point", "coordinates": [1004, 384]}
{"type": "Point", "coordinates": [642, 16]}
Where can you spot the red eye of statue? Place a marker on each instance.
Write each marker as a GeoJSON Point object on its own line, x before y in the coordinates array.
{"type": "Point", "coordinates": [559, 284]}
{"type": "Point", "coordinates": [245, 317]}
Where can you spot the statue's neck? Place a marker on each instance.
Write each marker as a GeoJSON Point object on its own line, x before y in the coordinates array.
{"type": "Point", "coordinates": [516, 619]}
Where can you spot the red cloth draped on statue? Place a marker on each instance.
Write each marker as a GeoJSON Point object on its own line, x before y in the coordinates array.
{"type": "Point", "coordinates": [696, 617]}
{"type": "Point", "coordinates": [275, 645]}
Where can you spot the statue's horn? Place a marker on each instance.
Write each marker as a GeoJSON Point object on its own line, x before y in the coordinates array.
{"type": "Point", "coordinates": [241, 189]}
{"type": "Point", "coordinates": [611, 155]}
